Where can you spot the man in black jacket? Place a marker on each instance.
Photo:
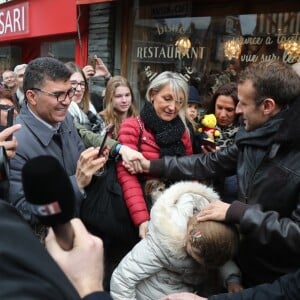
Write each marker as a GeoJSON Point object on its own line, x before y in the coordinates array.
{"type": "Point", "coordinates": [266, 157]}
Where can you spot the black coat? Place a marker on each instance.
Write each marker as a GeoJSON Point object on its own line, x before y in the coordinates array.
{"type": "Point", "coordinates": [286, 287]}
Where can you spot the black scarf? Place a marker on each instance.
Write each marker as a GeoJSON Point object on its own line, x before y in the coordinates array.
{"type": "Point", "coordinates": [167, 134]}
{"type": "Point", "coordinates": [263, 136]}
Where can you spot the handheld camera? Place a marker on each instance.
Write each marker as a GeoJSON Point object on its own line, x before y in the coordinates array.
{"type": "Point", "coordinates": [6, 117]}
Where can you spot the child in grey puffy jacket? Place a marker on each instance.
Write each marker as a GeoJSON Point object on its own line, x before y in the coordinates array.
{"type": "Point", "coordinates": [177, 252]}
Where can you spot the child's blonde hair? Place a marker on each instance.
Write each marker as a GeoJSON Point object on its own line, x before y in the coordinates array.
{"type": "Point", "coordinates": [213, 242]}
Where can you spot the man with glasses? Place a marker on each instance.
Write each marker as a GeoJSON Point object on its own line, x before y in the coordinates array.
{"type": "Point", "coordinates": [48, 129]}
{"type": "Point", "coordinates": [266, 157]}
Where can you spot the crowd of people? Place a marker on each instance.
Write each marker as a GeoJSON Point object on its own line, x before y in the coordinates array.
{"type": "Point", "coordinates": [209, 220]}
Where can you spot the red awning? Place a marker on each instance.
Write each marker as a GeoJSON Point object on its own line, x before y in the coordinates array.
{"type": "Point", "coordinates": [27, 19]}
{"type": "Point", "coordinates": [91, 1]}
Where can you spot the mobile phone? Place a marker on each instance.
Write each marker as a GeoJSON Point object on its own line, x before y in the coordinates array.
{"type": "Point", "coordinates": [106, 131]}
{"type": "Point", "coordinates": [92, 62]}
{"type": "Point", "coordinates": [208, 142]}
{"type": "Point", "coordinates": [6, 117]}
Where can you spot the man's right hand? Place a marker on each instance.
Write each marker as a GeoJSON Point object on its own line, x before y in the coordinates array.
{"type": "Point", "coordinates": [137, 164]}
{"type": "Point", "coordinates": [129, 154]}
{"type": "Point", "coordinates": [215, 211]}
{"type": "Point", "coordinates": [88, 164]}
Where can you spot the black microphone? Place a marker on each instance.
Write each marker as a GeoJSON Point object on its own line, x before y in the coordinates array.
{"type": "Point", "coordinates": [49, 192]}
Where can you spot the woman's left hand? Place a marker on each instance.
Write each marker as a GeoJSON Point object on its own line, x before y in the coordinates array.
{"type": "Point", "coordinates": [143, 229]}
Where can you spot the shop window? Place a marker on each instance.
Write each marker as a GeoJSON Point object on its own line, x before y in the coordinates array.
{"type": "Point", "coordinates": [170, 36]}
{"type": "Point", "coordinates": [9, 57]}
{"type": "Point", "coordinates": [62, 50]}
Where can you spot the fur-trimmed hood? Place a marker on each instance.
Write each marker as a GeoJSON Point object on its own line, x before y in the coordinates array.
{"type": "Point", "coordinates": [172, 210]}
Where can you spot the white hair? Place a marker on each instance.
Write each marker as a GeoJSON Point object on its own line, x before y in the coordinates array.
{"type": "Point", "coordinates": [296, 67]}
{"type": "Point", "coordinates": [19, 68]}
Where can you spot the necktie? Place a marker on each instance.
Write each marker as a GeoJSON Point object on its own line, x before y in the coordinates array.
{"type": "Point", "coordinates": [62, 141]}
{"type": "Point", "coordinates": [57, 139]}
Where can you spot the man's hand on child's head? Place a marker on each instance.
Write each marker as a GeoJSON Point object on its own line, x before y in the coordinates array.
{"type": "Point", "coordinates": [215, 211]}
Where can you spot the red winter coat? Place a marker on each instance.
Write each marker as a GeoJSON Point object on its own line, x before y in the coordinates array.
{"type": "Point", "coordinates": [129, 135]}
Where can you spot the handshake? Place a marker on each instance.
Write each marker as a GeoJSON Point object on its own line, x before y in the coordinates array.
{"type": "Point", "coordinates": [137, 164]}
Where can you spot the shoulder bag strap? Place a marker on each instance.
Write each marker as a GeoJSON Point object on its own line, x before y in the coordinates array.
{"type": "Point", "coordinates": [141, 133]}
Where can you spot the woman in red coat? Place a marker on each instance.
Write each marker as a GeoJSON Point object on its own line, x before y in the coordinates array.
{"type": "Point", "coordinates": [160, 130]}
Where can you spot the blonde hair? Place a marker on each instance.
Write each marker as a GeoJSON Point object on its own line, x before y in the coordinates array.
{"type": "Point", "coordinates": [109, 115]}
{"type": "Point", "coordinates": [85, 101]}
{"type": "Point", "coordinates": [213, 242]}
{"type": "Point", "coordinates": [177, 84]}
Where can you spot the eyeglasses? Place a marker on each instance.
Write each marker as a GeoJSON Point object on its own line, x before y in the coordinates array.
{"type": "Point", "coordinates": [60, 96]}
{"type": "Point", "coordinates": [6, 107]}
{"type": "Point", "coordinates": [75, 84]}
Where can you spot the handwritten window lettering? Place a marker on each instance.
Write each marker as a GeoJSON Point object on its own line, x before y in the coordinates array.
{"type": "Point", "coordinates": [216, 44]}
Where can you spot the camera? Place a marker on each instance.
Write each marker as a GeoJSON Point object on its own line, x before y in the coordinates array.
{"type": "Point", "coordinates": [106, 131]}
{"type": "Point", "coordinates": [92, 62]}
{"type": "Point", "coordinates": [4, 172]}
{"type": "Point", "coordinates": [6, 117]}
{"type": "Point", "coordinates": [4, 168]}
{"type": "Point", "coordinates": [6, 120]}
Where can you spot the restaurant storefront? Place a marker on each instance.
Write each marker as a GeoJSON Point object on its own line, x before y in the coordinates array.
{"type": "Point", "coordinates": [197, 38]}
{"type": "Point", "coordinates": [140, 38]}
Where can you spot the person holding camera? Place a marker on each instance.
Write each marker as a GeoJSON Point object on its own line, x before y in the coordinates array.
{"type": "Point", "coordinates": [10, 145]}
{"type": "Point", "coordinates": [28, 271]}
{"type": "Point", "coordinates": [8, 112]}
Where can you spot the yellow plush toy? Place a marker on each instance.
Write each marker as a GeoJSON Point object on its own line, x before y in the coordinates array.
{"type": "Point", "coordinates": [209, 123]}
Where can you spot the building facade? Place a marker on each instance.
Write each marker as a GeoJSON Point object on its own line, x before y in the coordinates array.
{"type": "Point", "coordinates": [200, 38]}
{"type": "Point", "coordinates": [29, 29]}
{"type": "Point", "coordinates": [140, 38]}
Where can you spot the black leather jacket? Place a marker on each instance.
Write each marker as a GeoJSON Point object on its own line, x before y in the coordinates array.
{"type": "Point", "coordinates": [286, 287]}
{"type": "Point", "coordinates": [271, 244]}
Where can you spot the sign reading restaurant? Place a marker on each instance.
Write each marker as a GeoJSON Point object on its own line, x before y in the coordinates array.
{"type": "Point", "coordinates": [14, 20]}
{"type": "Point", "coordinates": [160, 52]}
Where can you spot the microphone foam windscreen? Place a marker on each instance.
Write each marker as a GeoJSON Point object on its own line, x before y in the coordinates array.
{"type": "Point", "coordinates": [48, 190]}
